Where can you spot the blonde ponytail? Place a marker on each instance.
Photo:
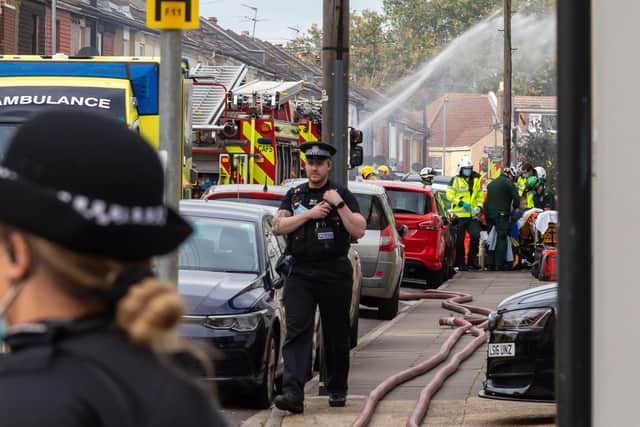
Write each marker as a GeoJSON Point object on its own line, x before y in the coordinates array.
{"type": "Point", "coordinates": [149, 312]}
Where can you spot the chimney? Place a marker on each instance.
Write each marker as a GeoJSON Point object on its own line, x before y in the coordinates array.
{"type": "Point", "coordinates": [213, 20]}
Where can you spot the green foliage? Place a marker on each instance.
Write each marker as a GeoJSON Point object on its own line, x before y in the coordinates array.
{"type": "Point", "coordinates": [384, 48]}
{"type": "Point", "coordinates": [308, 46]}
{"type": "Point", "coordinates": [540, 149]}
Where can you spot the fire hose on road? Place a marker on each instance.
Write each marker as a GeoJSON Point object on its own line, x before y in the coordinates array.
{"type": "Point", "coordinates": [473, 321]}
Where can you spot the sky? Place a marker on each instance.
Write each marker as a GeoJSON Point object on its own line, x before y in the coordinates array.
{"type": "Point", "coordinates": [274, 16]}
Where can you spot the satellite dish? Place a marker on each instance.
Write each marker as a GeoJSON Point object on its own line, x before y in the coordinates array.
{"type": "Point", "coordinates": [493, 101]}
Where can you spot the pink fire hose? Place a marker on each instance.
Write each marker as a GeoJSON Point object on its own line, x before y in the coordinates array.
{"type": "Point", "coordinates": [473, 315]}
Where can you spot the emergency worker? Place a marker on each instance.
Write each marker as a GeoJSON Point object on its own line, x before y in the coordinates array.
{"type": "Point", "coordinates": [502, 196]}
{"type": "Point", "coordinates": [543, 197]}
{"type": "Point", "coordinates": [466, 200]}
{"type": "Point", "coordinates": [426, 176]}
{"type": "Point", "coordinates": [320, 220]}
{"type": "Point", "coordinates": [384, 172]}
{"type": "Point", "coordinates": [525, 191]}
{"type": "Point", "coordinates": [89, 328]}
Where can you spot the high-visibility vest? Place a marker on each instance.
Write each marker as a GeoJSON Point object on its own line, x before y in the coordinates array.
{"type": "Point", "coordinates": [459, 192]}
{"type": "Point", "coordinates": [521, 184]}
{"type": "Point", "coordinates": [530, 201]}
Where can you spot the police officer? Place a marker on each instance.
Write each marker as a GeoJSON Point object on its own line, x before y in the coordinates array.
{"type": "Point", "coordinates": [320, 220]}
{"type": "Point", "coordinates": [84, 318]}
{"type": "Point", "coordinates": [501, 197]}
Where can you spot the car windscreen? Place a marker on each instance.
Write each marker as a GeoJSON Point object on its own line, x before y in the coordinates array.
{"type": "Point", "coordinates": [6, 132]}
{"type": "Point", "coordinates": [410, 202]}
{"type": "Point", "coordinates": [253, 200]}
{"type": "Point", "coordinates": [220, 245]}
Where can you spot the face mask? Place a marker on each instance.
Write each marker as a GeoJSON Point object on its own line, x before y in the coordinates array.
{"type": "Point", "coordinates": [466, 172]}
{"type": "Point", "coordinates": [4, 306]}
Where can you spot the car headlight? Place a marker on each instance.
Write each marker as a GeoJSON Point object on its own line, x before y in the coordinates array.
{"type": "Point", "coordinates": [533, 318]}
{"type": "Point", "coordinates": [237, 322]}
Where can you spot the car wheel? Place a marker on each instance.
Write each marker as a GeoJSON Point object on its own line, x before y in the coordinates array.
{"type": "Point", "coordinates": [388, 308]}
{"type": "Point", "coordinates": [436, 278]}
{"type": "Point", "coordinates": [267, 390]}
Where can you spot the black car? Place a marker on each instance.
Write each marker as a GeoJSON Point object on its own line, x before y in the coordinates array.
{"type": "Point", "coordinates": [520, 355]}
{"type": "Point", "coordinates": [227, 277]}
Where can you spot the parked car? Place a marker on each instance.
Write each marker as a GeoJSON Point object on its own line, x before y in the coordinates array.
{"type": "Point", "coordinates": [272, 197]}
{"type": "Point", "coordinates": [425, 241]}
{"type": "Point", "coordinates": [439, 190]}
{"type": "Point", "coordinates": [380, 251]}
{"type": "Point", "coordinates": [521, 355]}
{"type": "Point", "coordinates": [227, 278]}
{"type": "Point", "coordinates": [268, 195]}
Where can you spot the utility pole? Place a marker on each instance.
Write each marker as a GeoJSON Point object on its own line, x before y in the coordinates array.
{"type": "Point", "coordinates": [170, 87]}
{"type": "Point", "coordinates": [506, 112]}
{"type": "Point", "coordinates": [54, 24]}
{"type": "Point", "coordinates": [335, 83]}
{"type": "Point", "coordinates": [171, 18]}
{"type": "Point", "coordinates": [444, 133]}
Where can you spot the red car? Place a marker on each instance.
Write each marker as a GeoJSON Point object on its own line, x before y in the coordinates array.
{"type": "Point", "coordinates": [248, 193]}
{"type": "Point", "coordinates": [414, 205]}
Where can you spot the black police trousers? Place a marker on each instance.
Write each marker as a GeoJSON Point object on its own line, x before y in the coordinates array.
{"type": "Point", "coordinates": [327, 285]}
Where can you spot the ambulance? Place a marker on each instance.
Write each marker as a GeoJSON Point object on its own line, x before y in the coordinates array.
{"type": "Point", "coordinates": [125, 88]}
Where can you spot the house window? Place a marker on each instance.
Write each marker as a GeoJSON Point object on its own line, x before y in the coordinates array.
{"type": "Point", "coordinates": [35, 34]}
{"type": "Point", "coordinates": [435, 162]}
{"type": "Point", "coordinates": [546, 122]}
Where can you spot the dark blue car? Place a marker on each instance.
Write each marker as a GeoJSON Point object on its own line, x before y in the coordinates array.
{"type": "Point", "coordinates": [227, 277]}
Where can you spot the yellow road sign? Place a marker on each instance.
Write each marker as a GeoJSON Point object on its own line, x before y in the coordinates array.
{"type": "Point", "coordinates": [173, 14]}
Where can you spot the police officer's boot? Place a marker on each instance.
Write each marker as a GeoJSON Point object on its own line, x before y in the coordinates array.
{"type": "Point", "coordinates": [337, 399]}
{"type": "Point", "coordinates": [289, 403]}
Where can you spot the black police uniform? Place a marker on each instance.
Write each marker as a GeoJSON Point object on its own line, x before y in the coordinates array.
{"type": "Point", "coordinates": [322, 275]}
{"type": "Point", "coordinates": [86, 373]}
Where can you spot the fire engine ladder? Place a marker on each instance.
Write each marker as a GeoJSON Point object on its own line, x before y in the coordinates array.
{"type": "Point", "coordinates": [270, 93]}
{"type": "Point", "coordinates": [208, 101]}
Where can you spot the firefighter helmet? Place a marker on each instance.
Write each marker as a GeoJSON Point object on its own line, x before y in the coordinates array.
{"type": "Point", "coordinates": [541, 172]}
{"type": "Point", "coordinates": [366, 171]}
{"type": "Point", "coordinates": [384, 170]}
{"type": "Point", "coordinates": [465, 162]}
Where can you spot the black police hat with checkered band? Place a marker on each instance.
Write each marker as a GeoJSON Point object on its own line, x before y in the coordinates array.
{"type": "Point", "coordinates": [318, 150]}
{"type": "Point", "coordinates": [89, 184]}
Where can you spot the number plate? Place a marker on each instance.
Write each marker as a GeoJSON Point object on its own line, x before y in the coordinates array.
{"type": "Point", "coordinates": [502, 349]}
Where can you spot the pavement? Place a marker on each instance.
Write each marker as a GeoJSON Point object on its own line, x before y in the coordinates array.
{"type": "Point", "coordinates": [413, 336]}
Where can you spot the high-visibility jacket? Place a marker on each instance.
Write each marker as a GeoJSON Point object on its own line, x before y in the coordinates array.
{"type": "Point", "coordinates": [521, 184]}
{"type": "Point", "coordinates": [459, 192]}
{"type": "Point", "coordinates": [530, 199]}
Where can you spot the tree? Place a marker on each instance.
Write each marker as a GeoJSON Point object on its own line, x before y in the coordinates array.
{"type": "Point", "coordinates": [369, 48]}
{"type": "Point", "coordinates": [539, 148]}
{"type": "Point", "coordinates": [308, 46]}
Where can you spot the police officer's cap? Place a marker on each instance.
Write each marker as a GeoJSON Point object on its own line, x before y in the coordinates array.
{"type": "Point", "coordinates": [318, 150]}
{"type": "Point", "coordinates": [89, 184]}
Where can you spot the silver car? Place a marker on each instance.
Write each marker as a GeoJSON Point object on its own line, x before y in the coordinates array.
{"type": "Point", "coordinates": [381, 251]}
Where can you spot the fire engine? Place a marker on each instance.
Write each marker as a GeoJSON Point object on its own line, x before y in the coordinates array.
{"type": "Point", "coordinates": [249, 133]}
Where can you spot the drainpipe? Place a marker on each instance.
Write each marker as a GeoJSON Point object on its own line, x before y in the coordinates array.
{"type": "Point", "coordinates": [53, 27]}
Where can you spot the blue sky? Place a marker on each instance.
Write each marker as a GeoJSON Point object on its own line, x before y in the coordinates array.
{"type": "Point", "coordinates": [277, 15]}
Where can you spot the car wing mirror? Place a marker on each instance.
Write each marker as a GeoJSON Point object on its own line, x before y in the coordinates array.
{"type": "Point", "coordinates": [403, 230]}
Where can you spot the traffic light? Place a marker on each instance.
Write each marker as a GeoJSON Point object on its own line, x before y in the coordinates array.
{"type": "Point", "coordinates": [355, 149]}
